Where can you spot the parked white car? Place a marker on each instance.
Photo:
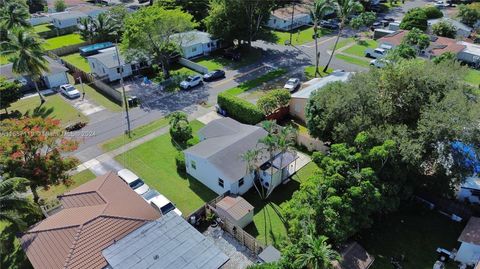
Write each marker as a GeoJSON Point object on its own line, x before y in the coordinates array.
{"type": "Point", "coordinates": [376, 53]}
{"type": "Point", "coordinates": [292, 84]}
{"type": "Point", "coordinates": [440, 4]}
{"type": "Point", "coordinates": [162, 204]}
{"type": "Point", "coordinates": [191, 81]}
{"type": "Point", "coordinates": [379, 63]}
{"type": "Point", "coordinates": [133, 181]}
{"type": "Point", "coordinates": [69, 91]}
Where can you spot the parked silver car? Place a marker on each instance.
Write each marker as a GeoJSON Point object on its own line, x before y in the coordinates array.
{"type": "Point", "coordinates": [69, 91]}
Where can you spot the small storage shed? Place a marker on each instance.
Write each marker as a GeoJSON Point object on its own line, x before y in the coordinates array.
{"type": "Point", "coordinates": [235, 209]}
{"type": "Point", "coordinates": [469, 251]}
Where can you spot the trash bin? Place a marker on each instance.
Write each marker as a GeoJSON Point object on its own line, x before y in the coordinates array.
{"type": "Point", "coordinates": [132, 101]}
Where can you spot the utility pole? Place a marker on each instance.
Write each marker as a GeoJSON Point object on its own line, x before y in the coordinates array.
{"type": "Point", "coordinates": [291, 22]}
{"type": "Point", "coordinates": [83, 89]}
{"type": "Point", "coordinates": [123, 90]}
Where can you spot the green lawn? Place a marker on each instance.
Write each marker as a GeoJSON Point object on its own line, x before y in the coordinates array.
{"type": "Point", "coordinates": [138, 132]}
{"type": "Point", "coordinates": [78, 179]}
{"type": "Point", "coordinates": [4, 59]}
{"type": "Point", "coordinates": [248, 85]}
{"type": "Point", "coordinates": [353, 60]}
{"type": "Point", "coordinates": [62, 41]}
{"type": "Point", "coordinates": [413, 232]}
{"type": "Point", "coordinates": [300, 36]}
{"type": "Point", "coordinates": [154, 161]}
{"type": "Point", "coordinates": [268, 225]}
{"type": "Point", "coordinates": [211, 63]}
{"type": "Point", "coordinates": [359, 48]}
{"type": "Point", "coordinates": [78, 61]}
{"type": "Point", "coordinates": [42, 28]}
{"type": "Point", "coordinates": [55, 107]}
{"type": "Point", "coordinates": [310, 71]}
{"type": "Point", "coordinates": [473, 77]}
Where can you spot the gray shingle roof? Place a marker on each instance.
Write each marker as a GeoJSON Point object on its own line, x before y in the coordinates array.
{"type": "Point", "coordinates": [191, 38]}
{"type": "Point", "coordinates": [108, 57]}
{"type": "Point", "coordinates": [54, 68]}
{"type": "Point", "coordinates": [167, 243]}
{"type": "Point", "coordinates": [225, 141]}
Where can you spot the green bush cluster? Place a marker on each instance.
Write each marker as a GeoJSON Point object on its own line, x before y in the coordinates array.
{"type": "Point", "coordinates": [180, 162]}
{"type": "Point", "coordinates": [239, 109]}
{"type": "Point", "coordinates": [415, 18]}
{"type": "Point", "coordinates": [273, 100]}
{"type": "Point", "coordinates": [432, 12]}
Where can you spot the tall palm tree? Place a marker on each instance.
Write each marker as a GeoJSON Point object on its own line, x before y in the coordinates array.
{"type": "Point", "coordinates": [13, 207]}
{"type": "Point", "coordinates": [85, 28]}
{"type": "Point", "coordinates": [250, 157]}
{"type": "Point", "coordinates": [27, 56]}
{"type": "Point", "coordinates": [318, 11]}
{"type": "Point", "coordinates": [105, 28]}
{"type": "Point", "coordinates": [318, 254]}
{"type": "Point", "coordinates": [14, 14]}
{"type": "Point", "coordinates": [344, 9]}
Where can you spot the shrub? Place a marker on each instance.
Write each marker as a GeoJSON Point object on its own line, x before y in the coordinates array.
{"type": "Point", "coordinates": [273, 100]}
{"type": "Point", "coordinates": [415, 18]}
{"type": "Point", "coordinates": [180, 162]}
{"type": "Point", "coordinates": [432, 12]}
{"type": "Point", "coordinates": [445, 29]}
{"type": "Point", "coordinates": [469, 14]}
{"type": "Point", "coordinates": [239, 109]}
{"type": "Point", "coordinates": [181, 131]}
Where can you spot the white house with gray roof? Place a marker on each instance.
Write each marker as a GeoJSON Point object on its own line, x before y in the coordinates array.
{"type": "Point", "coordinates": [195, 43]}
{"type": "Point", "coordinates": [105, 65]}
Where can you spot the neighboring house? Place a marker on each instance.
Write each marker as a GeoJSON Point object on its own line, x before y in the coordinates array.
{"type": "Point", "coordinates": [71, 17]}
{"type": "Point", "coordinates": [196, 43]}
{"type": "Point", "coordinates": [471, 53]}
{"type": "Point", "coordinates": [470, 190]}
{"type": "Point", "coordinates": [168, 243]}
{"type": "Point", "coordinates": [469, 251]}
{"type": "Point", "coordinates": [105, 65]}
{"type": "Point", "coordinates": [93, 216]}
{"type": "Point", "coordinates": [281, 19]}
{"type": "Point", "coordinates": [56, 76]}
{"type": "Point", "coordinates": [235, 209]}
{"type": "Point", "coordinates": [354, 256]}
{"type": "Point", "coordinates": [39, 18]}
{"type": "Point", "coordinates": [463, 30]}
{"type": "Point", "coordinates": [299, 100]}
{"type": "Point", "coordinates": [217, 160]}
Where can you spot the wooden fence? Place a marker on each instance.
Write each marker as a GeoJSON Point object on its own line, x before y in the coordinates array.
{"type": "Point", "coordinates": [69, 49]}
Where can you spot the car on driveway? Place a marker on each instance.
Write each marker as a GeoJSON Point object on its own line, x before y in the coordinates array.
{"type": "Point", "coordinates": [69, 91]}
{"type": "Point", "coordinates": [133, 181]}
{"type": "Point", "coordinates": [292, 84]}
{"type": "Point", "coordinates": [191, 81]}
{"type": "Point", "coordinates": [379, 63]}
{"type": "Point", "coordinates": [329, 25]}
{"type": "Point", "coordinates": [440, 4]}
{"type": "Point", "coordinates": [161, 203]}
{"type": "Point", "coordinates": [213, 75]}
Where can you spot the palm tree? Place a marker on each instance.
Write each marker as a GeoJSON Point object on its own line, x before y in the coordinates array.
{"type": "Point", "coordinates": [27, 56]}
{"type": "Point", "coordinates": [85, 28]}
{"type": "Point", "coordinates": [250, 157]}
{"type": "Point", "coordinates": [344, 9]}
{"type": "Point", "coordinates": [14, 14]}
{"type": "Point", "coordinates": [318, 11]}
{"type": "Point", "coordinates": [105, 28]}
{"type": "Point", "coordinates": [13, 207]}
{"type": "Point", "coordinates": [317, 255]}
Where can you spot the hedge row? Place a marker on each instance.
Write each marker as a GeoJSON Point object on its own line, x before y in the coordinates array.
{"type": "Point", "coordinates": [239, 109]}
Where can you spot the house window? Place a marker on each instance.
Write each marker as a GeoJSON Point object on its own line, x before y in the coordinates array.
{"type": "Point", "coordinates": [103, 69]}
{"type": "Point", "coordinates": [220, 182]}
{"type": "Point", "coordinates": [119, 70]}
{"type": "Point", "coordinates": [240, 182]}
{"type": "Point", "coordinates": [93, 65]}
{"type": "Point", "coordinates": [284, 21]}
{"type": "Point", "coordinates": [208, 45]}
{"type": "Point", "coordinates": [274, 21]}
{"type": "Point", "coordinates": [194, 49]}
{"type": "Point", "coordinates": [193, 164]}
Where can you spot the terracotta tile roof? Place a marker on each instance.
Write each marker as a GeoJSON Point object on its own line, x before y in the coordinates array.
{"type": "Point", "coordinates": [471, 232]}
{"type": "Point", "coordinates": [394, 38]}
{"type": "Point", "coordinates": [236, 207]}
{"type": "Point", "coordinates": [94, 215]}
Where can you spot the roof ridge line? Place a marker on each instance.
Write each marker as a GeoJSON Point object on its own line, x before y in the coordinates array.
{"type": "Point", "coordinates": [72, 247]}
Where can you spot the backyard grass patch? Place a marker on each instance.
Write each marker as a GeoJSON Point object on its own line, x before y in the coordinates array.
{"type": "Point", "coordinates": [310, 71]}
{"type": "Point", "coordinates": [413, 232]}
{"type": "Point", "coordinates": [78, 179]}
{"type": "Point", "coordinates": [359, 48]}
{"type": "Point", "coordinates": [78, 61]}
{"type": "Point", "coordinates": [54, 107]}
{"type": "Point", "coordinates": [42, 28]}
{"type": "Point", "coordinates": [353, 60]}
{"type": "Point", "coordinates": [136, 133]}
{"type": "Point", "coordinates": [473, 77]}
{"type": "Point", "coordinates": [154, 161]}
{"type": "Point", "coordinates": [300, 36]}
{"type": "Point", "coordinates": [211, 63]}
{"type": "Point", "coordinates": [248, 85]}
{"type": "Point", "coordinates": [62, 41]}
{"type": "Point", "coordinates": [268, 224]}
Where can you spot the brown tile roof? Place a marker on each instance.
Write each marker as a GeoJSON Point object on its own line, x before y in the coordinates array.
{"type": "Point", "coordinates": [286, 12]}
{"type": "Point", "coordinates": [394, 38]}
{"type": "Point", "coordinates": [354, 256]}
{"type": "Point", "coordinates": [94, 215]}
{"type": "Point", "coordinates": [236, 207]}
{"type": "Point", "coordinates": [471, 232]}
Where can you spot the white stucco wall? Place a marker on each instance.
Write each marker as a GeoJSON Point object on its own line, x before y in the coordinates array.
{"type": "Point", "coordinates": [206, 173]}
{"type": "Point", "coordinates": [468, 253]}
{"type": "Point", "coordinates": [284, 24]}
{"type": "Point", "coordinates": [55, 80]}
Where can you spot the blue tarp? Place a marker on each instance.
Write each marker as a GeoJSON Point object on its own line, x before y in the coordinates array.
{"type": "Point", "coordinates": [468, 156]}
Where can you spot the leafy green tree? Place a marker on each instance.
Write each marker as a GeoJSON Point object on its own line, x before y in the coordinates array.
{"type": "Point", "coordinates": [118, 14]}
{"type": "Point", "coordinates": [14, 14]}
{"type": "Point", "coordinates": [417, 39]}
{"type": "Point", "coordinates": [318, 254]}
{"type": "Point", "coordinates": [402, 51]}
{"type": "Point", "coordinates": [445, 29]}
{"type": "Point", "coordinates": [27, 56]}
{"type": "Point", "coordinates": [318, 12]}
{"type": "Point", "coordinates": [273, 100]}
{"type": "Point", "coordinates": [364, 19]}
{"type": "Point", "coordinates": [59, 5]}
{"type": "Point", "coordinates": [344, 9]}
{"type": "Point", "coordinates": [100, 29]}
{"type": "Point", "coordinates": [149, 32]}
{"type": "Point", "coordinates": [469, 14]}
{"type": "Point", "coordinates": [415, 18]}
{"type": "Point", "coordinates": [37, 5]}
{"type": "Point", "coordinates": [433, 12]}
{"type": "Point", "coordinates": [445, 57]}
{"type": "Point", "coordinates": [35, 150]}
{"type": "Point", "coordinates": [180, 128]}
{"type": "Point", "coordinates": [237, 19]}
{"type": "Point", "coordinates": [9, 93]}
